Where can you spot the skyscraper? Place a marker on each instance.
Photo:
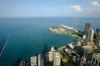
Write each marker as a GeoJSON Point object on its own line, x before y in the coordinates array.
{"type": "Point", "coordinates": [40, 60]}
{"type": "Point", "coordinates": [89, 32]}
{"type": "Point", "coordinates": [97, 40]}
{"type": "Point", "coordinates": [51, 54]}
{"type": "Point", "coordinates": [33, 61]}
{"type": "Point", "coordinates": [57, 59]}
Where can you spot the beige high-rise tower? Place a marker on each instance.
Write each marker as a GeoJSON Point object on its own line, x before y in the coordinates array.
{"type": "Point", "coordinates": [57, 59]}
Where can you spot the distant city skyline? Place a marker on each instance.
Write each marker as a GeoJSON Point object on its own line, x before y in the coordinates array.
{"type": "Point", "coordinates": [49, 8]}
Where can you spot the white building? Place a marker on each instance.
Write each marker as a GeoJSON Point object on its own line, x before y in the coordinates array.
{"type": "Point", "coordinates": [57, 59]}
{"type": "Point", "coordinates": [33, 61]}
{"type": "Point", "coordinates": [40, 60]}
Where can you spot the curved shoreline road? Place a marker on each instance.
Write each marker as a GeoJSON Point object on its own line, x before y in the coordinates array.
{"type": "Point", "coordinates": [4, 46]}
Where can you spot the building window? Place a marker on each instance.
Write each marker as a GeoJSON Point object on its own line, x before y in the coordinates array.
{"type": "Point", "coordinates": [96, 62]}
{"type": "Point", "coordinates": [93, 59]}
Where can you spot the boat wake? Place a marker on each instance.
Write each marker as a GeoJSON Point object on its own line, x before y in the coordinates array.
{"type": "Point", "coordinates": [2, 50]}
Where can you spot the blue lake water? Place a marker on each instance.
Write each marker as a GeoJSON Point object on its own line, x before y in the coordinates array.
{"type": "Point", "coordinates": [28, 35]}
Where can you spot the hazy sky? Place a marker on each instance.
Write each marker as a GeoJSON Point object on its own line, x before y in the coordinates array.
{"type": "Point", "coordinates": [50, 8]}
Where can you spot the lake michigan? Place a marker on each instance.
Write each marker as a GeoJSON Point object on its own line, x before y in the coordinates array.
{"type": "Point", "coordinates": [29, 35]}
